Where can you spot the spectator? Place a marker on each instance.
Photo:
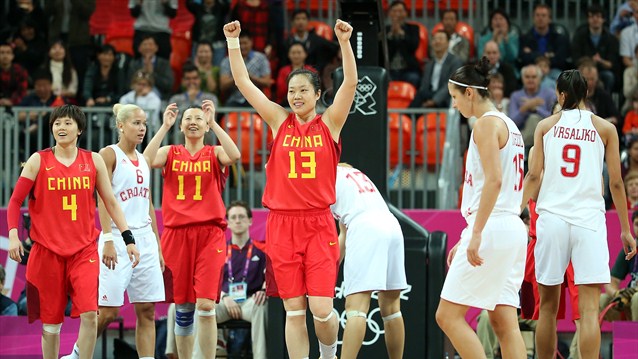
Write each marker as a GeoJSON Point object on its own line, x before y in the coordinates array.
{"type": "Point", "coordinates": [624, 17]}
{"type": "Point", "coordinates": [152, 18]}
{"type": "Point", "coordinates": [208, 71]}
{"type": "Point", "coordinates": [210, 17]}
{"type": "Point", "coordinates": [31, 10]}
{"type": "Point", "coordinates": [630, 126]}
{"type": "Point", "coordinates": [69, 21]}
{"type": "Point", "coordinates": [255, 15]}
{"type": "Point", "coordinates": [327, 88]}
{"type": "Point", "coordinates": [630, 82]}
{"type": "Point", "coordinates": [297, 56]}
{"type": "Point", "coordinates": [543, 40]}
{"type": "Point", "coordinates": [631, 161]}
{"type": "Point", "coordinates": [30, 46]}
{"type": "Point", "coordinates": [492, 52]}
{"type": "Point", "coordinates": [258, 70]}
{"type": "Point", "coordinates": [7, 306]}
{"type": "Point", "coordinates": [628, 38]}
{"type": "Point", "coordinates": [458, 45]}
{"type": "Point", "coordinates": [403, 40]}
{"type": "Point", "coordinates": [193, 94]}
{"type": "Point", "coordinates": [13, 78]}
{"type": "Point", "coordinates": [600, 99]}
{"type": "Point", "coordinates": [544, 64]}
{"type": "Point", "coordinates": [529, 105]}
{"type": "Point", "coordinates": [320, 51]}
{"type": "Point", "coordinates": [42, 96]}
{"type": "Point", "coordinates": [626, 298]}
{"type": "Point", "coordinates": [503, 34]}
{"type": "Point", "coordinates": [595, 41]}
{"type": "Point", "coordinates": [65, 78]}
{"type": "Point", "coordinates": [142, 95]}
{"type": "Point", "coordinates": [150, 62]}
{"type": "Point", "coordinates": [103, 79]}
{"type": "Point", "coordinates": [497, 93]}
{"type": "Point", "coordinates": [433, 92]}
{"type": "Point", "coordinates": [631, 188]}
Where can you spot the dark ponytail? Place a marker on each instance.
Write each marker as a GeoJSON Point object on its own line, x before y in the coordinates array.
{"type": "Point", "coordinates": [574, 86]}
{"type": "Point", "coordinates": [474, 75]}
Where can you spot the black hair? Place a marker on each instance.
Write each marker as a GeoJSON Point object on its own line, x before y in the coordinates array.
{"type": "Point", "coordinates": [539, 5]}
{"type": "Point", "coordinates": [106, 48]}
{"type": "Point", "coordinates": [300, 11]}
{"type": "Point", "coordinates": [245, 33]}
{"type": "Point", "coordinates": [146, 37]}
{"type": "Point", "coordinates": [456, 16]}
{"type": "Point", "coordinates": [204, 43]}
{"type": "Point", "coordinates": [300, 44]}
{"type": "Point", "coordinates": [574, 86]}
{"type": "Point", "coordinates": [499, 11]}
{"type": "Point", "coordinates": [634, 216]}
{"type": "Point", "coordinates": [474, 75]}
{"type": "Point", "coordinates": [2, 274]}
{"type": "Point", "coordinates": [42, 74]}
{"type": "Point", "coordinates": [188, 67]}
{"type": "Point", "coordinates": [398, 2]}
{"type": "Point", "coordinates": [595, 9]}
{"type": "Point", "coordinates": [441, 31]}
{"type": "Point", "coordinates": [242, 204]}
{"type": "Point", "coordinates": [312, 77]}
{"type": "Point", "coordinates": [71, 111]}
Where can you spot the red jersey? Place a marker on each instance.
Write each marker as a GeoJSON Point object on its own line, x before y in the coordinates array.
{"type": "Point", "coordinates": [533, 217]}
{"type": "Point", "coordinates": [192, 188]}
{"type": "Point", "coordinates": [62, 203]}
{"type": "Point", "coordinates": [302, 168]}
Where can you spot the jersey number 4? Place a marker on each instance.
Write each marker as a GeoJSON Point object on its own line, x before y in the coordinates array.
{"type": "Point", "coordinates": [69, 203]}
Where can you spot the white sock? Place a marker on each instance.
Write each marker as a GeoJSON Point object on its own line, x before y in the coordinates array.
{"type": "Point", "coordinates": [327, 351]}
{"type": "Point", "coordinates": [147, 358]}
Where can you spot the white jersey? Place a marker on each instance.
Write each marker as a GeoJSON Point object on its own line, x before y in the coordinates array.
{"type": "Point", "coordinates": [512, 157]}
{"type": "Point", "coordinates": [573, 167]}
{"type": "Point", "coordinates": [131, 188]}
{"type": "Point", "coordinates": [356, 194]}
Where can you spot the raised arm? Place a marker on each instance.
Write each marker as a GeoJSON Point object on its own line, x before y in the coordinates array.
{"type": "Point", "coordinates": [335, 116]}
{"type": "Point", "coordinates": [153, 154]}
{"type": "Point", "coordinates": [229, 153]}
{"type": "Point", "coordinates": [271, 112]}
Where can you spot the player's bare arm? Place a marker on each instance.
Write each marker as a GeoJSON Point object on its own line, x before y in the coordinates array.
{"type": "Point", "coordinates": [103, 185]}
{"type": "Point", "coordinates": [335, 116]}
{"type": "Point", "coordinates": [28, 175]}
{"type": "Point", "coordinates": [109, 254]}
{"type": "Point", "coordinates": [609, 136]}
{"type": "Point", "coordinates": [153, 154]}
{"type": "Point", "coordinates": [228, 153]}
{"type": "Point", "coordinates": [270, 111]}
{"type": "Point", "coordinates": [490, 135]}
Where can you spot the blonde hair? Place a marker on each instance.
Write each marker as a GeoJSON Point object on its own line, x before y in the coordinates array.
{"type": "Point", "coordinates": [123, 112]}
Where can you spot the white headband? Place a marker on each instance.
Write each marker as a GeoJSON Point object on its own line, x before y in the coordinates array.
{"type": "Point", "coordinates": [464, 85]}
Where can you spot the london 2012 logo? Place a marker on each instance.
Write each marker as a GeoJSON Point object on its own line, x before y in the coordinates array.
{"type": "Point", "coordinates": [374, 321]}
{"type": "Point", "coordinates": [363, 100]}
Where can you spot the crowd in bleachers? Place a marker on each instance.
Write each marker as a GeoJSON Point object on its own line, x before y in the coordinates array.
{"type": "Point", "coordinates": [97, 53]}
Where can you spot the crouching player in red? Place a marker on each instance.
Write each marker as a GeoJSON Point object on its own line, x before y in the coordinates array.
{"type": "Point", "coordinates": [64, 259]}
{"type": "Point", "coordinates": [193, 242]}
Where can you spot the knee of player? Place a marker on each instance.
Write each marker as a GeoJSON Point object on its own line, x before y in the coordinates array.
{"type": "Point", "coordinates": [184, 319]}
{"type": "Point", "coordinates": [51, 329]}
{"type": "Point", "coordinates": [145, 311]}
{"type": "Point", "coordinates": [89, 318]}
{"type": "Point", "coordinates": [108, 315]}
{"type": "Point", "coordinates": [442, 318]}
{"type": "Point", "coordinates": [205, 305]}
{"type": "Point", "coordinates": [322, 314]}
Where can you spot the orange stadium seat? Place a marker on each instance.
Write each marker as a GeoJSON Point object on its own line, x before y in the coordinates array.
{"type": "Point", "coordinates": [462, 28]}
{"type": "Point", "coordinates": [398, 123]}
{"type": "Point", "coordinates": [422, 50]}
{"type": "Point", "coordinates": [181, 51]}
{"type": "Point", "coordinates": [426, 133]}
{"type": "Point", "coordinates": [239, 123]}
{"type": "Point", "coordinates": [400, 94]}
{"type": "Point", "coordinates": [120, 36]}
{"type": "Point", "coordinates": [322, 29]}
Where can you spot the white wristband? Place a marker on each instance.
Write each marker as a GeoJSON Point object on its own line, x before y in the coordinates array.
{"type": "Point", "coordinates": [233, 42]}
{"type": "Point", "coordinates": [107, 237]}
